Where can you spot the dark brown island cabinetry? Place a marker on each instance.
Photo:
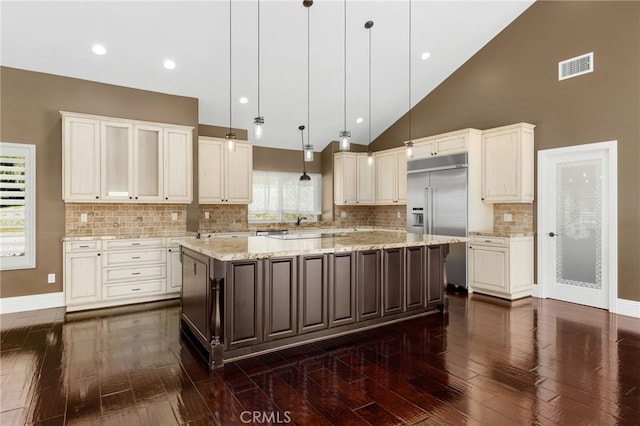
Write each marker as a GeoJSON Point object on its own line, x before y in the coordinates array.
{"type": "Point", "coordinates": [238, 308]}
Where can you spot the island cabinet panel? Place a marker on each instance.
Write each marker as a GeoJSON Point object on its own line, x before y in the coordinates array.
{"type": "Point", "coordinates": [435, 275]}
{"type": "Point", "coordinates": [393, 281]}
{"type": "Point", "coordinates": [280, 292]}
{"type": "Point", "coordinates": [368, 281]}
{"type": "Point", "coordinates": [342, 289]}
{"type": "Point", "coordinates": [415, 277]}
{"type": "Point", "coordinates": [312, 293]}
{"type": "Point", "coordinates": [195, 294]}
{"type": "Point", "coordinates": [243, 294]}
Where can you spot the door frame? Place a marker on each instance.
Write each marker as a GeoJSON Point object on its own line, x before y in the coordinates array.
{"type": "Point", "coordinates": [543, 227]}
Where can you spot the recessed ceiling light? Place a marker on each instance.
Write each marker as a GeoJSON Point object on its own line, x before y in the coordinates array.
{"type": "Point", "coordinates": [243, 100]}
{"type": "Point", "coordinates": [169, 64]}
{"type": "Point", "coordinates": [98, 49]}
{"type": "Point", "coordinates": [425, 56]}
{"type": "Point", "coordinates": [359, 120]}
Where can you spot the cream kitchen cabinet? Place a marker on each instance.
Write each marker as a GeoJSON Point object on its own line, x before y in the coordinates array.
{"type": "Point", "coordinates": [365, 179]}
{"type": "Point", "coordinates": [391, 176]}
{"type": "Point", "coordinates": [178, 169]}
{"type": "Point", "coordinates": [444, 144]}
{"type": "Point", "coordinates": [174, 264]}
{"type": "Point", "coordinates": [507, 164]}
{"type": "Point", "coordinates": [80, 159]}
{"type": "Point", "coordinates": [82, 273]}
{"type": "Point", "coordinates": [353, 179]}
{"type": "Point", "coordinates": [501, 266]}
{"type": "Point", "coordinates": [117, 160]}
{"type": "Point", "coordinates": [111, 272]}
{"type": "Point", "coordinates": [224, 176]}
{"type": "Point", "coordinates": [344, 178]}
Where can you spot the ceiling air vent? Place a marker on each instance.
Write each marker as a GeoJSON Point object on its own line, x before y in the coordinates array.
{"type": "Point", "coordinates": [573, 67]}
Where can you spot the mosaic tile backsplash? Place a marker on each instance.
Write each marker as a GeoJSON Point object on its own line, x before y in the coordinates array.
{"type": "Point", "coordinates": [122, 220]}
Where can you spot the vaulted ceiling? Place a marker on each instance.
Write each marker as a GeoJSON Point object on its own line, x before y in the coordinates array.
{"type": "Point", "coordinates": [56, 37]}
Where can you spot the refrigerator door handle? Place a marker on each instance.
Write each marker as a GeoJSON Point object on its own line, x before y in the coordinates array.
{"type": "Point", "coordinates": [429, 210]}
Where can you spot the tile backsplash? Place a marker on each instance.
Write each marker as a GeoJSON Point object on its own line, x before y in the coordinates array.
{"type": "Point", "coordinates": [521, 218]}
{"type": "Point", "coordinates": [121, 220]}
{"type": "Point", "coordinates": [377, 216]}
{"type": "Point", "coordinates": [222, 217]}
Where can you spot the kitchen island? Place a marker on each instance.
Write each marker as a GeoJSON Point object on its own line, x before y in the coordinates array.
{"type": "Point", "coordinates": [248, 295]}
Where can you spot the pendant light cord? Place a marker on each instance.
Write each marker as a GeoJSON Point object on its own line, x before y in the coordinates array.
{"type": "Point", "coordinates": [230, 67]}
{"type": "Point", "coordinates": [370, 82]}
{"type": "Point", "coordinates": [308, 76]}
{"type": "Point", "coordinates": [259, 59]}
{"type": "Point", "coordinates": [345, 65]}
{"type": "Point", "coordinates": [409, 70]}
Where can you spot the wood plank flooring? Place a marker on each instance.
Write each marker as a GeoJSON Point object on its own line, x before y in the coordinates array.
{"type": "Point", "coordinates": [488, 362]}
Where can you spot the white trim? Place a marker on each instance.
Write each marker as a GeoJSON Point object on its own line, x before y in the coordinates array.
{"type": "Point", "coordinates": [536, 291]}
{"type": "Point", "coordinates": [543, 224]}
{"type": "Point", "coordinates": [31, 303]}
{"type": "Point", "coordinates": [628, 307]}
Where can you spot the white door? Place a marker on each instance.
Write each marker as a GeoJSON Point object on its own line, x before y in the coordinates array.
{"type": "Point", "coordinates": [577, 230]}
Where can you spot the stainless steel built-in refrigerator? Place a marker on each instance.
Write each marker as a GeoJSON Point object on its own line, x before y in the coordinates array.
{"type": "Point", "coordinates": [437, 204]}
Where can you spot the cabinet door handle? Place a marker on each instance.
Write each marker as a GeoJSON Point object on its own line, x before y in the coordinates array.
{"type": "Point", "coordinates": [135, 257]}
{"type": "Point", "coordinates": [135, 273]}
{"type": "Point", "coordinates": [166, 198]}
{"type": "Point", "coordinates": [487, 241]}
{"type": "Point", "coordinates": [98, 254]}
{"type": "Point", "coordinates": [97, 197]}
{"type": "Point", "coordinates": [135, 244]}
{"type": "Point", "coordinates": [87, 246]}
{"type": "Point", "coordinates": [135, 289]}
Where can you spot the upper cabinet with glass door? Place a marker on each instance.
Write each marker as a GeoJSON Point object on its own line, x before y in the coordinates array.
{"type": "Point", "coordinates": [117, 160]}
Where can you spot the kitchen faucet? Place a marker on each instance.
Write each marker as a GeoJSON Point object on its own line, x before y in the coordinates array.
{"type": "Point", "coordinates": [300, 219]}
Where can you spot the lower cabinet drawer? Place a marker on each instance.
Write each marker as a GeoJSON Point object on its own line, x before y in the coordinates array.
{"type": "Point", "coordinates": [139, 273]}
{"type": "Point", "coordinates": [134, 257]}
{"type": "Point", "coordinates": [135, 289]}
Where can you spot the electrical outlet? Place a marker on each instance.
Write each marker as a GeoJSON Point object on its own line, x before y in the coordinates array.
{"type": "Point", "coordinates": [508, 217]}
{"type": "Point", "coordinates": [174, 216]}
{"type": "Point", "coordinates": [83, 217]}
{"type": "Point", "coordinates": [343, 214]}
{"type": "Point", "coordinates": [206, 215]}
{"type": "Point", "coordinates": [399, 214]}
{"type": "Point", "coordinates": [51, 278]}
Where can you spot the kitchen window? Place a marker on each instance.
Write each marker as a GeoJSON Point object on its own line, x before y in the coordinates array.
{"type": "Point", "coordinates": [17, 206]}
{"type": "Point", "coordinates": [282, 197]}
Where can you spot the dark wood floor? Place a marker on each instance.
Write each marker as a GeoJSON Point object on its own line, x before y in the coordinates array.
{"type": "Point", "coordinates": [488, 362]}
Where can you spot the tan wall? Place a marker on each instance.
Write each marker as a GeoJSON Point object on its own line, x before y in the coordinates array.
{"type": "Point", "coordinates": [514, 78]}
{"type": "Point", "coordinates": [30, 105]}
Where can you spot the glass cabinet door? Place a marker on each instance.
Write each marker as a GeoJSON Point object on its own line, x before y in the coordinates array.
{"type": "Point", "coordinates": [148, 163]}
{"type": "Point", "coordinates": [116, 161]}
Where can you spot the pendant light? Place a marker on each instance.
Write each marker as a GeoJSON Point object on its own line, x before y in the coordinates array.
{"type": "Point", "coordinates": [230, 136]}
{"type": "Point", "coordinates": [409, 144]}
{"type": "Point", "coordinates": [345, 135]}
{"type": "Point", "coordinates": [368, 25]}
{"type": "Point", "coordinates": [307, 150]}
{"type": "Point", "coordinates": [305, 176]}
{"type": "Point", "coordinates": [259, 120]}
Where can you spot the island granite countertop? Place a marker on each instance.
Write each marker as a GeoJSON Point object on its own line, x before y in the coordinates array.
{"type": "Point", "coordinates": [252, 247]}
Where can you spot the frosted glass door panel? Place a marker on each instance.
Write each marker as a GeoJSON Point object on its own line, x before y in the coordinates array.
{"type": "Point", "coordinates": [579, 223]}
{"type": "Point", "coordinates": [117, 161]}
{"type": "Point", "coordinates": [147, 168]}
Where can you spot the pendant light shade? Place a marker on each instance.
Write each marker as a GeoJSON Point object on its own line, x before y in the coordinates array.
{"type": "Point", "coordinates": [304, 176]}
{"type": "Point", "coordinates": [345, 135]}
{"type": "Point", "coordinates": [409, 149]}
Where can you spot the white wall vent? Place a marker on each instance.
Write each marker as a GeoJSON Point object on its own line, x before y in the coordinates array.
{"type": "Point", "coordinates": [574, 67]}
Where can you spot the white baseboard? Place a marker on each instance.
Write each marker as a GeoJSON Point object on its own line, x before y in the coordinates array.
{"type": "Point", "coordinates": [629, 308]}
{"type": "Point", "coordinates": [31, 303]}
{"type": "Point", "coordinates": [535, 291]}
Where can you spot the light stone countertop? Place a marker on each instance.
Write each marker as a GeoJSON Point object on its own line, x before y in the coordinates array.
{"type": "Point", "coordinates": [127, 237]}
{"type": "Point", "coordinates": [242, 248]}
